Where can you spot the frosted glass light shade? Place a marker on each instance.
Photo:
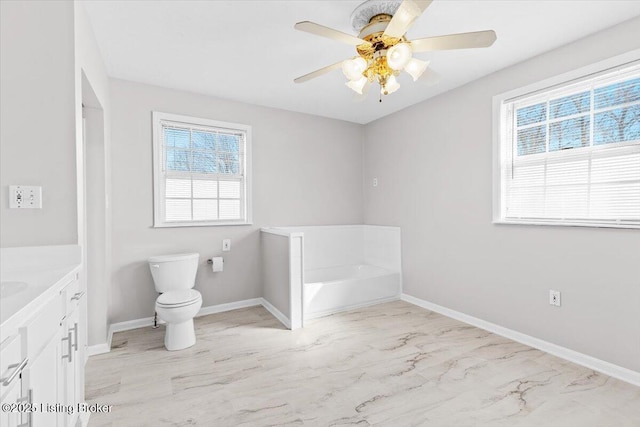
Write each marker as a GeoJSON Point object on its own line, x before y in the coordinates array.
{"type": "Point", "coordinates": [390, 86]}
{"type": "Point", "coordinates": [353, 68]}
{"type": "Point", "coordinates": [415, 68]}
{"type": "Point", "coordinates": [398, 56]}
{"type": "Point", "coordinates": [357, 85]}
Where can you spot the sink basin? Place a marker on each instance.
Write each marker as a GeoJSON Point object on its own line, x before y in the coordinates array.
{"type": "Point", "coordinates": [8, 289]}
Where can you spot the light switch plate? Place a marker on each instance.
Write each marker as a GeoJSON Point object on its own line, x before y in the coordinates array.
{"type": "Point", "coordinates": [226, 245]}
{"type": "Point", "coordinates": [554, 298]}
{"type": "Point", "coordinates": [25, 197]}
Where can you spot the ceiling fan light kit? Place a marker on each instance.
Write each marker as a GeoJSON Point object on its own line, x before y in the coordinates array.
{"type": "Point", "coordinates": [398, 56]}
{"type": "Point", "coordinates": [383, 49]}
{"type": "Point", "coordinates": [416, 67]}
{"type": "Point", "coordinates": [357, 85]}
{"type": "Point", "coordinates": [353, 68]}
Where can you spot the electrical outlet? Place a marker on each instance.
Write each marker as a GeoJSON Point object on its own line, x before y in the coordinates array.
{"type": "Point", "coordinates": [554, 298]}
{"type": "Point", "coordinates": [375, 182]}
{"type": "Point", "coordinates": [25, 197]}
{"type": "Point", "coordinates": [226, 245]}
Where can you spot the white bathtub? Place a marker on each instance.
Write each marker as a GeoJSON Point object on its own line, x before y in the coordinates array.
{"type": "Point", "coordinates": [334, 289]}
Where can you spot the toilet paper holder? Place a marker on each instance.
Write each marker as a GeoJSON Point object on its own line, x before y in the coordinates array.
{"type": "Point", "coordinates": [216, 263]}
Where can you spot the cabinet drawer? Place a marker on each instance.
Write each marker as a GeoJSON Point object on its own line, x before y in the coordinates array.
{"type": "Point", "coordinates": [10, 362]}
{"type": "Point", "coordinates": [38, 330]}
{"type": "Point", "coordinates": [72, 294]}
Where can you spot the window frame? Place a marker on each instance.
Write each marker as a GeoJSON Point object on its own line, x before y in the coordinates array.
{"type": "Point", "coordinates": [501, 128]}
{"type": "Point", "coordinates": [158, 118]}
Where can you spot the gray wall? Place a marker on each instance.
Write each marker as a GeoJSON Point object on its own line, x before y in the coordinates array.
{"type": "Point", "coordinates": [438, 188]}
{"type": "Point", "coordinates": [275, 255]}
{"type": "Point", "coordinates": [37, 131]}
{"type": "Point", "coordinates": [94, 214]}
{"type": "Point", "coordinates": [306, 170]}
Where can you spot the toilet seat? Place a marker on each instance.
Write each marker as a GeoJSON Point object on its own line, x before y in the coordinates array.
{"type": "Point", "coordinates": [181, 298]}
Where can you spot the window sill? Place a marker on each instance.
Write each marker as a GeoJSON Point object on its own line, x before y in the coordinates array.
{"type": "Point", "coordinates": [200, 224]}
{"type": "Point", "coordinates": [565, 224]}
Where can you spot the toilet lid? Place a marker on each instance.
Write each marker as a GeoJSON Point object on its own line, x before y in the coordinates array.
{"type": "Point", "coordinates": [182, 297]}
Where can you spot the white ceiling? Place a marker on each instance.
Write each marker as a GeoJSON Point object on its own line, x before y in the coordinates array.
{"type": "Point", "coordinates": [248, 50]}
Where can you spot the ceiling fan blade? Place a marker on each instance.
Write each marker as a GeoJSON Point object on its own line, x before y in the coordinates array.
{"type": "Point", "coordinates": [408, 12]}
{"type": "Point", "coordinates": [455, 41]}
{"type": "Point", "coordinates": [318, 73]}
{"type": "Point", "coordinates": [322, 31]}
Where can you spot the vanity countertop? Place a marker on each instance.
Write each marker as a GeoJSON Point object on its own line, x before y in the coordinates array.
{"type": "Point", "coordinates": [31, 277]}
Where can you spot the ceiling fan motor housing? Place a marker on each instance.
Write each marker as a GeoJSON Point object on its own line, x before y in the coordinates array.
{"type": "Point", "coordinates": [363, 14]}
{"type": "Point", "coordinates": [375, 52]}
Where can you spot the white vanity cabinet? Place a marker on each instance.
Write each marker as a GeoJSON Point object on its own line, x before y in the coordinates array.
{"type": "Point", "coordinates": [11, 391]}
{"type": "Point", "coordinates": [52, 340]}
{"type": "Point", "coordinates": [42, 336]}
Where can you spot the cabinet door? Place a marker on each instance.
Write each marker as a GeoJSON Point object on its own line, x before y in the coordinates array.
{"type": "Point", "coordinates": [70, 367]}
{"type": "Point", "coordinates": [41, 376]}
{"type": "Point", "coordinates": [13, 395]}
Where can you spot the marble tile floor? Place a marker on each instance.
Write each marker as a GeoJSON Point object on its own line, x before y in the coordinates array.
{"type": "Point", "coordinates": [393, 364]}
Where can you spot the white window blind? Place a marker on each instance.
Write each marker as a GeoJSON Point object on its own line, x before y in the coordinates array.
{"type": "Point", "coordinates": [200, 171]}
{"type": "Point", "coordinates": [571, 154]}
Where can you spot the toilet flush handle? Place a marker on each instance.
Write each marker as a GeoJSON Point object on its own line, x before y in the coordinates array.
{"type": "Point", "coordinates": [155, 265]}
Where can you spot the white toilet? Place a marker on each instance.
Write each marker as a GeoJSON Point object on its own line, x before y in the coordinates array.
{"type": "Point", "coordinates": [174, 276]}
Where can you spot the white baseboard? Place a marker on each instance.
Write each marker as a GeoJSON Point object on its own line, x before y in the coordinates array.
{"type": "Point", "coordinates": [92, 350]}
{"type": "Point", "coordinates": [148, 321]}
{"type": "Point", "coordinates": [131, 324]}
{"type": "Point", "coordinates": [220, 308]}
{"type": "Point", "coordinates": [582, 359]}
{"type": "Point", "coordinates": [276, 313]}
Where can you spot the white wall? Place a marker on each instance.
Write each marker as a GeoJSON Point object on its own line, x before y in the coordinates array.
{"type": "Point", "coordinates": [37, 135]}
{"type": "Point", "coordinates": [439, 190]}
{"type": "Point", "coordinates": [306, 170]}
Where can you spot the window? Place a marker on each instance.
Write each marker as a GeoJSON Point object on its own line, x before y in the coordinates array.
{"type": "Point", "coordinates": [568, 149]}
{"type": "Point", "coordinates": [201, 172]}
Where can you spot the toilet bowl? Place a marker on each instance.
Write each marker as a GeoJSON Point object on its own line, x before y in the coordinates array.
{"type": "Point", "coordinates": [174, 278]}
{"type": "Point", "coordinates": [177, 309]}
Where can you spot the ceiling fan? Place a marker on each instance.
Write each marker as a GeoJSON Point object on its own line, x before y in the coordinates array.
{"type": "Point", "coordinates": [382, 46]}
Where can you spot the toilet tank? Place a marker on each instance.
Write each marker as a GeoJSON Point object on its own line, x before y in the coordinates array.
{"type": "Point", "coordinates": [174, 272]}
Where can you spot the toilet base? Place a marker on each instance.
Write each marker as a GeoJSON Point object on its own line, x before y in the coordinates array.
{"type": "Point", "coordinates": [179, 336]}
